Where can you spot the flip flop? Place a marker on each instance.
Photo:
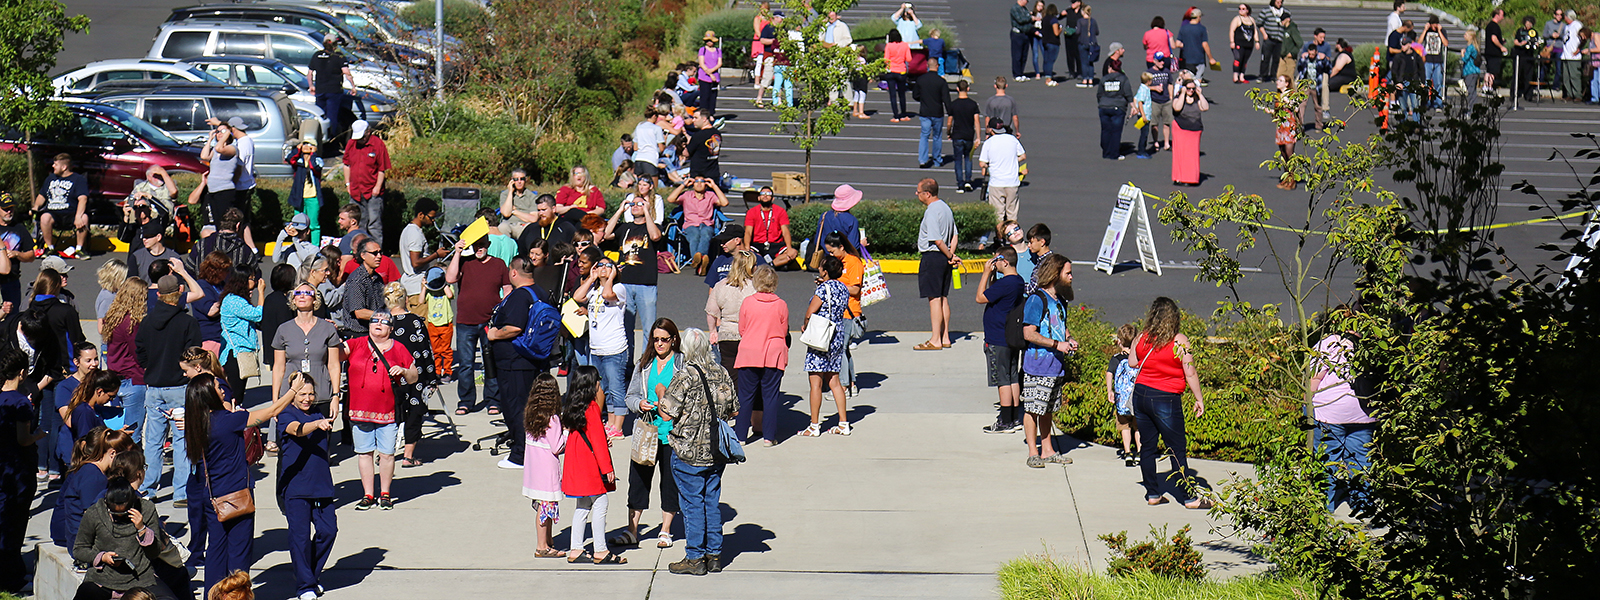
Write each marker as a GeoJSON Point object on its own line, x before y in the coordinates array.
{"type": "Point", "coordinates": [410, 462]}
{"type": "Point", "coordinates": [926, 346]}
{"type": "Point", "coordinates": [582, 556]}
{"type": "Point", "coordinates": [1199, 504]}
{"type": "Point", "coordinates": [461, 411]}
{"type": "Point", "coordinates": [493, 411]}
{"type": "Point", "coordinates": [549, 553]}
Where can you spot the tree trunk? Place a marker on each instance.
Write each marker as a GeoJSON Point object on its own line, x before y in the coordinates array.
{"type": "Point", "coordinates": [808, 157]}
{"type": "Point", "coordinates": [33, 181]}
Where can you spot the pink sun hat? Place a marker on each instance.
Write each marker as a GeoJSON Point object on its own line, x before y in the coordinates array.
{"type": "Point", "coordinates": [845, 197]}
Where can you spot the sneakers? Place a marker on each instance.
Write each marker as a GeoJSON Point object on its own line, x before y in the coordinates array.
{"type": "Point", "coordinates": [386, 502]}
{"type": "Point", "coordinates": [1085, 85]}
{"type": "Point", "coordinates": [613, 433]}
{"type": "Point", "coordinates": [1130, 461]}
{"type": "Point", "coordinates": [1143, 156]}
{"type": "Point", "coordinates": [308, 596]}
{"type": "Point", "coordinates": [997, 427]}
{"type": "Point", "coordinates": [366, 503]}
{"type": "Point", "coordinates": [39, 253]}
{"type": "Point", "coordinates": [1014, 427]}
{"type": "Point", "coordinates": [505, 463]}
{"type": "Point", "coordinates": [688, 566]}
{"type": "Point", "coordinates": [1021, 78]}
{"type": "Point", "coordinates": [1051, 83]}
{"type": "Point", "coordinates": [74, 252]}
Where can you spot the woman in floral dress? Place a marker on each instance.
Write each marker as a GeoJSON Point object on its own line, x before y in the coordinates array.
{"type": "Point", "coordinates": [829, 302]}
{"type": "Point", "coordinates": [412, 332]}
{"type": "Point", "coordinates": [1289, 129]}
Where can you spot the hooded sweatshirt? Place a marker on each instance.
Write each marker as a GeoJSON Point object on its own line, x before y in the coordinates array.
{"type": "Point", "coordinates": [62, 318]}
{"type": "Point", "coordinates": [163, 336]}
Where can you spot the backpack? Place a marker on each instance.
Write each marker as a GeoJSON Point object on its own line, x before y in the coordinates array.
{"type": "Point", "coordinates": [1014, 339]}
{"type": "Point", "coordinates": [541, 332]}
{"type": "Point", "coordinates": [231, 244]}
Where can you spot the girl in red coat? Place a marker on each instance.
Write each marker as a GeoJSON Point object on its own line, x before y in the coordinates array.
{"type": "Point", "coordinates": [586, 475]}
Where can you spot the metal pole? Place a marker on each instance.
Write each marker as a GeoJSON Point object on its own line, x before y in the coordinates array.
{"type": "Point", "coordinates": [438, 49]}
{"type": "Point", "coordinates": [1516, 83]}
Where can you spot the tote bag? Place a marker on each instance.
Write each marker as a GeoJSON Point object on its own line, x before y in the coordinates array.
{"type": "Point", "coordinates": [874, 288]}
{"type": "Point", "coordinates": [819, 333]}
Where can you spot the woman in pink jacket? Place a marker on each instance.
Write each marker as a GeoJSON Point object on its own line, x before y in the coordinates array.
{"type": "Point", "coordinates": [763, 355]}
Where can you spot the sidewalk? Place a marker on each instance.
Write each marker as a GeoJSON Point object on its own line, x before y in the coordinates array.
{"type": "Point", "coordinates": [917, 503]}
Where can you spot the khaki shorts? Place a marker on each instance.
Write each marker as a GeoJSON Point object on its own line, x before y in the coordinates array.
{"type": "Point", "coordinates": [1005, 202]}
{"type": "Point", "coordinates": [1161, 113]}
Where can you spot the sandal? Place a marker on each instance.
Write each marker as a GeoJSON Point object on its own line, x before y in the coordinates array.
{"type": "Point", "coordinates": [812, 430]}
{"type": "Point", "coordinates": [493, 411]}
{"type": "Point", "coordinates": [1198, 504]}
{"type": "Point", "coordinates": [1156, 501]}
{"type": "Point", "coordinates": [270, 447]}
{"type": "Point", "coordinates": [626, 538]}
{"type": "Point", "coordinates": [611, 559]}
{"type": "Point", "coordinates": [664, 540]}
{"type": "Point", "coordinates": [461, 411]}
{"type": "Point", "coordinates": [840, 429]}
{"type": "Point", "coordinates": [409, 462]}
{"type": "Point", "coordinates": [927, 346]}
{"type": "Point", "coordinates": [581, 556]}
{"type": "Point", "coordinates": [548, 553]}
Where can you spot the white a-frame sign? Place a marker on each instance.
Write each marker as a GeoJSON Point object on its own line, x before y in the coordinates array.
{"type": "Point", "coordinates": [1130, 205]}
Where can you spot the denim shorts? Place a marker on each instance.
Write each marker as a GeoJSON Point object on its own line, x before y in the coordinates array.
{"type": "Point", "coordinates": [371, 437]}
{"type": "Point", "coordinates": [1003, 366]}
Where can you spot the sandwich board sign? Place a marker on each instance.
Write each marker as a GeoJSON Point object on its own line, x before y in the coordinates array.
{"type": "Point", "coordinates": [1129, 206]}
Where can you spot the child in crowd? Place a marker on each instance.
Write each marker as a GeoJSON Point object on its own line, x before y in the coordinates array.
{"type": "Point", "coordinates": [1141, 101]}
{"type": "Point", "coordinates": [1119, 392]}
{"type": "Point", "coordinates": [1038, 249]}
{"type": "Point", "coordinates": [586, 474]}
{"type": "Point", "coordinates": [541, 467]}
{"type": "Point", "coordinates": [999, 298]}
{"type": "Point", "coordinates": [305, 194]}
{"type": "Point", "coordinates": [440, 316]}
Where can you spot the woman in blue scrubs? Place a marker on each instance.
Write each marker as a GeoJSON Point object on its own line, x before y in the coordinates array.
{"type": "Point", "coordinates": [305, 485]}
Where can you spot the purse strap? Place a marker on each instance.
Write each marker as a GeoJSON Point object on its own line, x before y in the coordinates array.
{"type": "Point", "coordinates": [585, 437]}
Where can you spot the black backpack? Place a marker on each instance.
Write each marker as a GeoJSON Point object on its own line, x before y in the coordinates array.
{"type": "Point", "coordinates": [1014, 339]}
{"type": "Point", "coordinates": [231, 244]}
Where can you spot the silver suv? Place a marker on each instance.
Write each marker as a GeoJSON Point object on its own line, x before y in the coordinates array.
{"type": "Point", "coordinates": [289, 43]}
{"type": "Point", "coordinates": [181, 110]}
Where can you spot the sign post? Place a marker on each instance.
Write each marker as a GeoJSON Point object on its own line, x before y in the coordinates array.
{"type": "Point", "coordinates": [1129, 206]}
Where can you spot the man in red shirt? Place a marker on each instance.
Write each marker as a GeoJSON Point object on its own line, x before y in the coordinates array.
{"type": "Point", "coordinates": [366, 159]}
{"type": "Point", "coordinates": [766, 230]}
{"type": "Point", "coordinates": [484, 280]}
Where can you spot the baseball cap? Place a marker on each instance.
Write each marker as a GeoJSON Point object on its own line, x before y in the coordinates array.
{"type": "Point", "coordinates": [153, 229]}
{"type": "Point", "coordinates": [168, 284]}
{"type": "Point", "coordinates": [1160, 55]}
{"type": "Point", "coordinates": [358, 129]}
{"type": "Point", "coordinates": [236, 123]}
{"type": "Point", "coordinates": [1115, 46]}
{"type": "Point", "coordinates": [300, 221]}
{"type": "Point", "coordinates": [55, 263]}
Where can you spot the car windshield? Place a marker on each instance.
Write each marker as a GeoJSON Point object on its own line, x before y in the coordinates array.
{"type": "Point", "coordinates": [140, 127]}
{"type": "Point", "coordinates": [293, 75]}
{"type": "Point", "coordinates": [390, 19]}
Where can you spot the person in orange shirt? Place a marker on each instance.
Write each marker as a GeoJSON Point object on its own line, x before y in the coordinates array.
{"type": "Point", "coordinates": [855, 322]}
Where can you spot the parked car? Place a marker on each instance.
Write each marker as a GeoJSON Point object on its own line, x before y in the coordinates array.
{"type": "Point", "coordinates": [379, 21]}
{"type": "Point", "coordinates": [267, 73]}
{"type": "Point", "coordinates": [305, 16]}
{"type": "Point", "coordinates": [86, 77]}
{"type": "Point", "coordinates": [109, 145]}
{"type": "Point", "coordinates": [292, 44]}
{"type": "Point", "coordinates": [270, 117]}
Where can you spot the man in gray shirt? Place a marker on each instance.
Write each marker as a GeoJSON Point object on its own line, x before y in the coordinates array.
{"type": "Point", "coordinates": [1003, 107]}
{"type": "Point", "coordinates": [936, 240]}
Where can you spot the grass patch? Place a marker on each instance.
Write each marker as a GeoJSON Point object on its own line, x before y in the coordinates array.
{"type": "Point", "coordinates": [1042, 578]}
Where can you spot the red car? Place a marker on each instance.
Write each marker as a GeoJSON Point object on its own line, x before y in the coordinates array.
{"type": "Point", "coordinates": [112, 147]}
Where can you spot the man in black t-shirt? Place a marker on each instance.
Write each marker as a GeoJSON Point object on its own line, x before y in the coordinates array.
{"type": "Point", "coordinates": [636, 241]}
{"type": "Point", "coordinates": [1494, 48]}
{"type": "Point", "coordinates": [962, 123]}
{"type": "Point", "coordinates": [545, 227]}
{"type": "Point", "coordinates": [63, 201]}
{"type": "Point", "coordinates": [329, 71]}
{"type": "Point", "coordinates": [17, 245]}
{"type": "Point", "coordinates": [705, 145]}
{"type": "Point", "coordinates": [515, 372]}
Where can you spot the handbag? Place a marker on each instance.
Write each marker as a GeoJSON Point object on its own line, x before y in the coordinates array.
{"type": "Point", "coordinates": [646, 442]}
{"type": "Point", "coordinates": [255, 445]}
{"type": "Point", "coordinates": [232, 506]}
{"type": "Point", "coordinates": [819, 333]}
{"type": "Point", "coordinates": [249, 364]}
{"type": "Point", "coordinates": [874, 288]}
{"type": "Point", "coordinates": [725, 444]}
{"type": "Point", "coordinates": [611, 486]}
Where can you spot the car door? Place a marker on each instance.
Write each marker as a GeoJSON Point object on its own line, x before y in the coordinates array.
{"type": "Point", "coordinates": [181, 117]}
{"type": "Point", "coordinates": [109, 156]}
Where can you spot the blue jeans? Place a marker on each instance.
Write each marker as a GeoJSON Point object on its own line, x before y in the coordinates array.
{"type": "Point", "coordinates": [641, 311]}
{"type": "Point", "coordinates": [1050, 53]}
{"type": "Point", "coordinates": [1086, 54]}
{"type": "Point", "coordinates": [1038, 56]}
{"type": "Point", "coordinates": [1144, 138]}
{"type": "Point", "coordinates": [930, 147]}
{"type": "Point", "coordinates": [330, 103]}
{"type": "Point", "coordinates": [782, 87]}
{"type": "Point", "coordinates": [132, 397]}
{"type": "Point", "coordinates": [1019, 53]}
{"type": "Point", "coordinates": [1347, 447]}
{"type": "Point", "coordinates": [1435, 74]}
{"type": "Point", "coordinates": [1111, 120]}
{"type": "Point", "coordinates": [1594, 87]}
{"type": "Point", "coordinates": [1161, 413]}
{"type": "Point", "coordinates": [158, 399]}
{"type": "Point", "coordinates": [469, 339]}
{"type": "Point", "coordinates": [963, 152]}
{"type": "Point", "coordinates": [699, 237]}
{"type": "Point", "coordinates": [700, 498]}
{"type": "Point", "coordinates": [614, 380]}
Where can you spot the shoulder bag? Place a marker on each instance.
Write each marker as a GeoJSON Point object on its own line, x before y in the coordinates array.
{"type": "Point", "coordinates": [231, 506]}
{"type": "Point", "coordinates": [725, 446]}
{"type": "Point", "coordinates": [394, 382]}
{"type": "Point", "coordinates": [611, 486]}
{"type": "Point", "coordinates": [819, 333]}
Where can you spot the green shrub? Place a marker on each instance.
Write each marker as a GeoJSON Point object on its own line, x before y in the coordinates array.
{"type": "Point", "coordinates": [448, 159]}
{"type": "Point", "coordinates": [891, 225]}
{"type": "Point", "coordinates": [877, 29]}
{"type": "Point", "coordinates": [14, 173]}
{"type": "Point", "coordinates": [729, 24]}
{"type": "Point", "coordinates": [461, 18]}
{"type": "Point", "coordinates": [1043, 578]}
{"type": "Point", "coordinates": [1173, 557]}
{"type": "Point", "coordinates": [556, 159]}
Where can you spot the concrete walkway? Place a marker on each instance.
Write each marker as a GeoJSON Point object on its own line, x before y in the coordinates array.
{"type": "Point", "coordinates": [917, 503]}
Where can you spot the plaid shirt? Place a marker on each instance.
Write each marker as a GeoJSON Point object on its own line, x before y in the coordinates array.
{"type": "Point", "coordinates": [362, 291]}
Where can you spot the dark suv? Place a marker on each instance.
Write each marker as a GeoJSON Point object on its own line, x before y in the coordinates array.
{"type": "Point", "coordinates": [109, 145]}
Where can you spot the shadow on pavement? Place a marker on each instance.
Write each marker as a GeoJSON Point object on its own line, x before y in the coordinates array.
{"type": "Point", "coordinates": [349, 571]}
{"type": "Point", "coordinates": [404, 488]}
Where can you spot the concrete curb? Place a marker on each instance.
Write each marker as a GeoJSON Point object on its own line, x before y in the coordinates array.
{"type": "Point", "coordinates": [909, 267]}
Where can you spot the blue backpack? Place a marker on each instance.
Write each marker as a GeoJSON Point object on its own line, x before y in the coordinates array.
{"type": "Point", "coordinates": [542, 331]}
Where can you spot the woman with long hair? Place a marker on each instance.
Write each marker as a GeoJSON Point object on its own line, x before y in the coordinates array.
{"type": "Point", "coordinates": [118, 328]}
{"type": "Point", "coordinates": [210, 277]}
{"type": "Point", "coordinates": [699, 475]}
{"type": "Point", "coordinates": [214, 430]}
{"type": "Point", "coordinates": [97, 390]}
{"type": "Point", "coordinates": [722, 306]}
{"type": "Point", "coordinates": [546, 439]}
{"type": "Point", "coordinates": [897, 53]}
{"type": "Point", "coordinates": [52, 329]}
{"type": "Point", "coordinates": [830, 301]}
{"type": "Point", "coordinates": [838, 246]}
{"type": "Point", "coordinates": [239, 316]}
{"type": "Point", "coordinates": [305, 485]}
{"type": "Point", "coordinates": [1289, 129]}
{"type": "Point", "coordinates": [411, 331]}
{"type": "Point", "coordinates": [1044, 326]}
{"type": "Point", "coordinates": [586, 474]}
{"type": "Point", "coordinates": [763, 356]}
{"type": "Point", "coordinates": [85, 480]}
{"type": "Point", "coordinates": [1165, 368]}
{"type": "Point", "coordinates": [650, 379]}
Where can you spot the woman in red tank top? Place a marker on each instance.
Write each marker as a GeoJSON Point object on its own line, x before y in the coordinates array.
{"type": "Point", "coordinates": [1165, 368]}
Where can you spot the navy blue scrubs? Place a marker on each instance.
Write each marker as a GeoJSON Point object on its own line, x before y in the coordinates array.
{"type": "Point", "coordinates": [81, 489]}
{"type": "Point", "coordinates": [17, 486]}
{"type": "Point", "coordinates": [305, 491]}
{"type": "Point", "coordinates": [228, 546]}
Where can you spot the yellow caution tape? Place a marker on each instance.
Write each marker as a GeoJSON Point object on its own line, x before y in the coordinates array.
{"type": "Point", "coordinates": [1576, 213]}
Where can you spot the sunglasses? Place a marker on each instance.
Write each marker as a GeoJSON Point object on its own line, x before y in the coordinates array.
{"type": "Point", "coordinates": [519, 178]}
{"type": "Point", "coordinates": [581, 244]}
{"type": "Point", "coordinates": [660, 340]}
{"type": "Point", "coordinates": [380, 321]}
{"type": "Point", "coordinates": [302, 294]}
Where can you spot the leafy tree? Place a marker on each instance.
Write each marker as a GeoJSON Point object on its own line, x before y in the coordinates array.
{"type": "Point", "coordinates": [816, 69]}
{"type": "Point", "coordinates": [29, 42]}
